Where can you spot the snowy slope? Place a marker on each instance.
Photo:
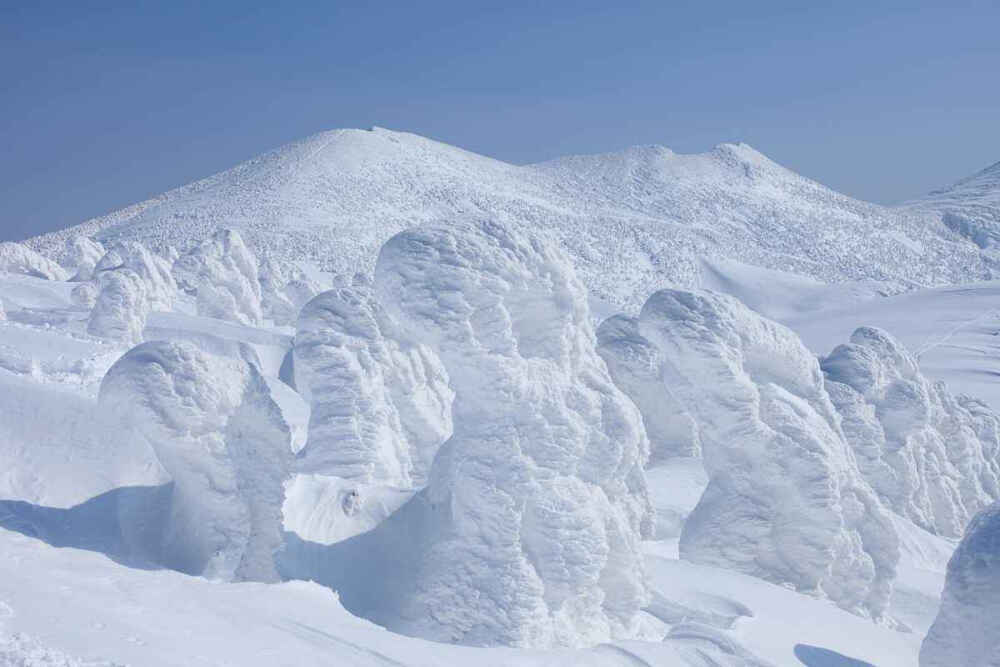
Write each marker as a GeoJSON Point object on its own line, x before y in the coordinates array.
{"type": "Point", "coordinates": [632, 221]}
{"type": "Point", "coordinates": [971, 206]}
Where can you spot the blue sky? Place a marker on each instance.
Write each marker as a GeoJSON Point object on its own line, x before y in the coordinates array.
{"type": "Point", "coordinates": [105, 104]}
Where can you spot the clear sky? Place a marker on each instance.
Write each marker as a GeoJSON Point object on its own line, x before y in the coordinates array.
{"type": "Point", "coordinates": [105, 104]}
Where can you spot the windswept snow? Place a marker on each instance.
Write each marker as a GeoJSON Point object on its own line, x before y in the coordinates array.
{"type": "Point", "coordinates": [19, 258]}
{"type": "Point", "coordinates": [970, 207]}
{"type": "Point", "coordinates": [120, 308]}
{"type": "Point", "coordinates": [221, 273]}
{"type": "Point", "coordinates": [151, 269]}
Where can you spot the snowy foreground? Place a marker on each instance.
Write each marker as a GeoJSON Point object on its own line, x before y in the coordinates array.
{"type": "Point", "coordinates": [213, 451]}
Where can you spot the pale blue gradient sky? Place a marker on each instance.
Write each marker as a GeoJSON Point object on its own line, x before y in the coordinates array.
{"type": "Point", "coordinates": [105, 104]}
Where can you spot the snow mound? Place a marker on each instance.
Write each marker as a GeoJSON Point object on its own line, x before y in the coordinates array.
{"type": "Point", "coordinates": [19, 258]}
{"type": "Point", "coordinates": [785, 501]}
{"type": "Point", "coordinates": [966, 631]}
{"type": "Point", "coordinates": [284, 290]}
{"type": "Point", "coordinates": [931, 456]}
{"type": "Point", "coordinates": [152, 269]}
{"type": "Point", "coordinates": [80, 257]}
{"type": "Point", "coordinates": [634, 364]}
{"type": "Point", "coordinates": [222, 273]}
{"type": "Point", "coordinates": [533, 515]}
{"type": "Point", "coordinates": [220, 436]}
{"type": "Point", "coordinates": [120, 308]}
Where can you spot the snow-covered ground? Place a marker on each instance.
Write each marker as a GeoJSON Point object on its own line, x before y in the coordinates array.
{"type": "Point", "coordinates": [453, 445]}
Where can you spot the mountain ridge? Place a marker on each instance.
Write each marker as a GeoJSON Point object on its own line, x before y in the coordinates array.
{"type": "Point", "coordinates": [633, 220]}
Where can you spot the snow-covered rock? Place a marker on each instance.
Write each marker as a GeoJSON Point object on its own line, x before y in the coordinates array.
{"type": "Point", "coordinates": [785, 501]}
{"type": "Point", "coordinates": [121, 307]}
{"type": "Point", "coordinates": [966, 632]}
{"type": "Point", "coordinates": [19, 258]}
{"type": "Point", "coordinates": [932, 457]}
{"type": "Point", "coordinates": [151, 269]}
{"type": "Point", "coordinates": [634, 364]}
{"type": "Point", "coordinates": [380, 407]}
{"type": "Point", "coordinates": [220, 436]}
{"type": "Point", "coordinates": [284, 290]}
{"type": "Point", "coordinates": [222, 273]}
{"type": "Point", "coordinates": [80, 257]}
{"type": "Point", "coordinates": [528, 531]}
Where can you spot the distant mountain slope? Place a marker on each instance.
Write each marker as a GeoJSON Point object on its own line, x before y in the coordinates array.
{"type": "Point", "coordinates": [634, 220]}
{"type": "Point", "coordinates": [970, 207]}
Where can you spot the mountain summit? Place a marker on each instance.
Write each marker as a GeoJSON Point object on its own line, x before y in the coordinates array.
{"type": "Point", "coordinates": [633, 220]}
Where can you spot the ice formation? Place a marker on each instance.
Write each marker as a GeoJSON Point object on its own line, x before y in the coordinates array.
{"type": "Point", "coordinates": [528, 531]}
{"type": "Point", "coordinates": [121, 307]}
{"type": "Point", "coordinates": [381, 407]}
{"type": "Point", "coordinates": [634, 364]}
{"type": "Point", "coordinates": [19, 258]}
{"type": "Point", "coordinates": [222, 273]}
{"type": "Point", "coordinates": [932, 457]}
{"type": "Point", "coordinates": [220, 436]}
{"type": "Point", "coordinates": [785, 501]}
{"type": "Point", "coordinates": [966, 632]}
{"type": "Point", "coordinates": [284, 290]}
{"type": "Point", "coordinates": [154, 272]}
{"type": "Point", "coordinates": [80, 257]}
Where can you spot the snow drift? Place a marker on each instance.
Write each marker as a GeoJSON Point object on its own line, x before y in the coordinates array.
{"type": "Point", "coordinates": [220, 436]}
{"type": "Point", "coordinates": [966, 631]}
{"type": "Point", "coordinates": [931, 456]}
{"type": "Point", "coordinates": [785, 501]}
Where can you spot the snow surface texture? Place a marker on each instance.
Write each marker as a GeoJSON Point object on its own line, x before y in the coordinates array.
{"type": "Point", "coordinates": [221, 437]}
{"type": "Point", "coordinates": [120, 308]}
{"type": "Point", "coordinates": [785, 501]}
{"type": "Point", "coordinates": [222, 273]}
{"type": "Point", "coordinates": [966, 632]}
{"type": "Point", "coordinates": [535, 506]}
{"type": "Point", "coordinates": [152, 269]}
{"type": "Point", "coordinates": [931, 456]}
{"type": "Point", "coordinates": [19, 258]}
{"type": "Point", "coordinates": [633, 221]}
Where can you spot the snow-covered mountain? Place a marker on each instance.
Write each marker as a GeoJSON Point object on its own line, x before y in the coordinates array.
{"type": "Point", "coordinates": [459, 440]}
{"type": "Point", "coordinates": [632, 221]}
{"type": "Point", "coordinates": [970, 207]}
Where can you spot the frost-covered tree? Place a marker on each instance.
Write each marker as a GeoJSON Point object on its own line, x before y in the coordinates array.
{"type": "Point", "coordinates": [931, 456]}
{"type": "Point", "coordinates": [19, 258]}
{"type": "Point", "coordinates": [966, 632]}
{"type": "Point", "coordinates": [785, 501]}
{"type": "Point", "coordinates": [528, 531]}
{"type": "Point", "coordinates": [154, 272]}
{"type": "Point", "coordinates": [381, 407]}
{"type": "Point", "coordinates": [120, 308]}
{"type": "Point", "coordinates": [284, 290]}
{"type": "Point", "coordinates": [222, 439]}
{"type": "Point", "coordinates": [221, 273]}
{"type": "Point", "coordinates": [80, 256]}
